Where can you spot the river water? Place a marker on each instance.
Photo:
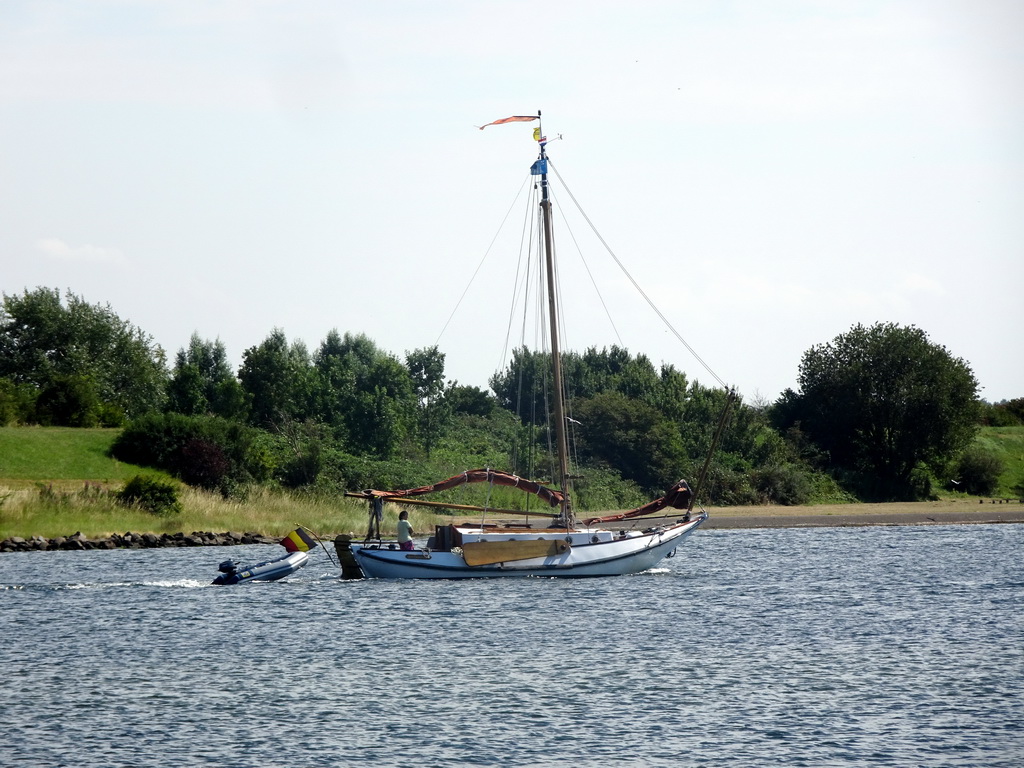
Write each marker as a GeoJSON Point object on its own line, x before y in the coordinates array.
{"type": "Point", "coordinates": [798, 647]}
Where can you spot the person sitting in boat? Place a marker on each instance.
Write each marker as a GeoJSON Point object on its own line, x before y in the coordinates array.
{"type": "Point", "coordinates": [405, 532]}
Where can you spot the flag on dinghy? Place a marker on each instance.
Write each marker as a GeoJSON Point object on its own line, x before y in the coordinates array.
{"type": "Point", "coordinates": [298, 541]}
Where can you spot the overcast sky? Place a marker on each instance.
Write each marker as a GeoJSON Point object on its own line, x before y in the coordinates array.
{"type": "Point", "coordinates": [771, 173]}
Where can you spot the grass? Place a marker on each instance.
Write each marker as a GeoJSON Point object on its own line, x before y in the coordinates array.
{"type": "Point", "coordinates": [1008, 444]}
{"type": "Point", "coordinates": [92, 509]}
{"type": "Point", "coordinates": [56, 481]}
{"type": "Point", "coordinates": [65, 456]}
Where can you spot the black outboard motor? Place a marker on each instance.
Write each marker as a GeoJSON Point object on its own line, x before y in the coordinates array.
{"type": "Point", "coordinates": [229, 572]}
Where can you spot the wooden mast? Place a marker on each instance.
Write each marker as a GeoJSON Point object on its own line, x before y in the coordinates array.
{"type": "Point", "coordinates": [565, 482]}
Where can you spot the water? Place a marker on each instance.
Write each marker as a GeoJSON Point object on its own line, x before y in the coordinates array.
{"type": "Point", "coordinates": [822, 647]}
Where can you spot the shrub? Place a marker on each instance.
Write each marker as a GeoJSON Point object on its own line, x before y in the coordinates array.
{"type": "Point", "coordinates": [202, 462]}
{"type": "Point", "coordinates": [783, 484]}
{"type": "Point", "coordinates": [17, 402]}
{"type": "Point", "coordinates": [979, 471]}
{"type": "Point", "coordinates": [726, 486]}
{"type": "Point", "coordinates": [155, 496]}
{"type": "Point", "coordinates": [69, 401]}
{"type": "Point", "coordinates": [154, 440]}
{"type": "Point", "coordinates": [202, 450]}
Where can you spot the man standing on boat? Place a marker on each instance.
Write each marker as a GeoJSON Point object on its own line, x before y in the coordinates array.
{"type": "Point", "coordinates": [405, 532]}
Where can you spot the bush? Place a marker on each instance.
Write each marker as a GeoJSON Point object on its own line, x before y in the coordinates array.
{"type": "Point", "coordinates": [155, 496]}
{"type": "Point", "coordinates": [599, 490]}
{"type": "Point", "coordinates": [202, 462]}
{"type": "Point", "coordinates": [726, 486]}
{"type": "Point", "coordinates": [979, 471]}
{"type": "Point", "coordinates": [154, 440]}
{"type": "Point", "coordinates": [783, 484]}
{"type": "Point", "coordinates": [202, 450]}
{"type": "Point", "coordinates": [17, 402]}
{"type": "Point", "coordinates": [69, 401]}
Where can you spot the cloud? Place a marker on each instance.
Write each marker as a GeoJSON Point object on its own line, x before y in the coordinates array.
{"type": "Point", "coordinates": [56, 248]}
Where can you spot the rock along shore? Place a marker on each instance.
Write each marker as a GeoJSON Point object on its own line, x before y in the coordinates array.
{"type": "Point", "coordinates": [135, 541]}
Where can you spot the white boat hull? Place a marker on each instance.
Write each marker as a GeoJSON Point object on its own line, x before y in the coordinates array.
{"type": "Point", "coordinates": [613, 555]}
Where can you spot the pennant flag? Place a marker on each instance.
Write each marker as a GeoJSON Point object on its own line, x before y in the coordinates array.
{"type": "Point", "coordinates": [515, 119]}
{"type": "Point", "coordinates": [298, 541]}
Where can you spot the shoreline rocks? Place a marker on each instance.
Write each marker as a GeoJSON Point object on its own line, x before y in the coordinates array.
{"type": "Point", "coordinates": [131, 540]}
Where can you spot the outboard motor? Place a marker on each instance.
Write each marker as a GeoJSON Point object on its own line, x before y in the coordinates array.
{"type": "Point", "coordinates": [228, 569]}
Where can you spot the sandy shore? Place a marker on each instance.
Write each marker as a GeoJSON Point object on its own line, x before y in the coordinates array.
{"type": "Point", "coordinates": [955, 512]}
{"type": "Point", "coordinates": [950, 512]}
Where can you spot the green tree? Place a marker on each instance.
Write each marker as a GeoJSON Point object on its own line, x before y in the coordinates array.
{"type": "Point", "coordinates": [364, 394]}
{"type": "Point", "coordinates": [17, 402]}
{"type": "Point", "coordinates": [278, 380]}
{"type": "Point", "coordinates": [43, 339]}
{"type": "Point", "coordinates": [202, 381]}
{"type": "Point", "coordinates": [629, 436]}
{"type": "Point", "coordinates": [68, 401]}
{"type": "Point", "coordinates": [469, 400]}
{"type": "Point", "coordinates": [882, 401]}
{"type": "Point", "coordinates": [208, 451]}
{"type": "Point", "coordinates": [1008, 413]}
{"type": "Point", "coordinates": [426, 370]}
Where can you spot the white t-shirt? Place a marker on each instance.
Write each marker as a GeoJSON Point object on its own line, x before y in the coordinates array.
{"type": "Point", "coordinates": [404, 531]}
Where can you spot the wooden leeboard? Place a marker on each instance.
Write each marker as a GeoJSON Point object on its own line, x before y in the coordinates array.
{"type": "Point", "coordinates": [489, 552]}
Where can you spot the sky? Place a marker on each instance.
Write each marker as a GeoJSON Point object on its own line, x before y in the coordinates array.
{"type": "Point", "coordinates": [771, 173]}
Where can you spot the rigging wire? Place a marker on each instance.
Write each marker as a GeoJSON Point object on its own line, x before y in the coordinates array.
{"type": "Point", "coordinates": [522, 274]}
{"type": "Point", "coordinates": [636, 285]}
{"type": "Point", "coordinates": [482, 260]}
{"type": "Point", "coordinates": [522, 285]}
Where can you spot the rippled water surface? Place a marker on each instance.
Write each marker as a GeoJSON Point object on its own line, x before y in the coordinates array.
{"type": "Point", "coordinates": [820, 647]}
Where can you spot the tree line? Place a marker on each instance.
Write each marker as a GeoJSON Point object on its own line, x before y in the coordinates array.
{"type": "Point", "coordinates": [879, 412]}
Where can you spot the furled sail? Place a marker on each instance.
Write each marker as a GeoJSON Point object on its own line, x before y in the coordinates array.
{"type": "Point", "coordinates": [678, 497]}
{"type": "Point", "coordinates": [552, 497]}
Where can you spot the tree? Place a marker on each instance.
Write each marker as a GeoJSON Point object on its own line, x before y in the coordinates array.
{"type": "Point", "coordinates": [882, 401]}
{"type": "Point", "coordinates": [426, 370]}
{"type": "Point", "coordinates": [278, 379]}
{"type": "Point", "coordinates": [631, 437]}
{"type": "Point", "coordinates": [469, 400]}
{"type": "Point", "coordinates": [202, 381]}
{"type": "Point", "coordinates": [68, 401]}
{"type": "Point", "coordinates": [1008, 413]}
{"type": "Point", "coordinates": [17, 402]}
{"type": "Point", "coordinates": [364, 394]}
{"type": "Point", "coordinates": [44, 341]}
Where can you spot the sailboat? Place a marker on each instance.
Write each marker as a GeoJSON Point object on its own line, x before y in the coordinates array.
{"type": "Point", "coordinates": [564, 547]}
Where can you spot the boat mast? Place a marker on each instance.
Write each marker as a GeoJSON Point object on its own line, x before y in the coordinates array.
{"type": "Point", "coordinates": [565, 482]}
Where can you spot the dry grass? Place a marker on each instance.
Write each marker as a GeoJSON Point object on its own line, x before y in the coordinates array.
{"type": "Point", "coordinates": [60, 511]}
{"type": "Point", "coordinates": [866, 510]}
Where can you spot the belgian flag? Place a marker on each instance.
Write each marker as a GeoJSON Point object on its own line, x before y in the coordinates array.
{"type": "Point", "coordinates": [298, 541]}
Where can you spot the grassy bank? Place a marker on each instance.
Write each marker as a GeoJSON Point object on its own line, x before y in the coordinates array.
{"type": "Point", "coordinates": [56, 481]}
{"type": "Point", "coordinates": [64, 456]}
{"type": "Point", "coordinates": [1008, 444]}
{"type": "Point", "coordinates": [92, 510]}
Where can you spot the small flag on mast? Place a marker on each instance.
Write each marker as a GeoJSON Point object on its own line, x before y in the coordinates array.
{"type": "Point", "coordinates": [298, 541]}
{"type": "Point", "coordinates": [514, 119]}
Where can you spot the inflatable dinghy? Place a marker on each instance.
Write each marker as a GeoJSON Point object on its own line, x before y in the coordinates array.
{"type": "Point", "coordinates": [233, 572]}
